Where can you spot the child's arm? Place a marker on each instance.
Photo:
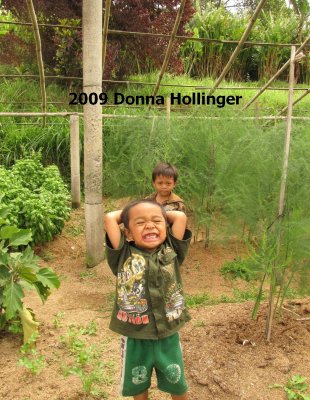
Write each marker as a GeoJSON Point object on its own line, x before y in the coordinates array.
{"type": "Point", "coordinates": [111, 225]}
{"type": "Point", "coordinates": [178, 220]}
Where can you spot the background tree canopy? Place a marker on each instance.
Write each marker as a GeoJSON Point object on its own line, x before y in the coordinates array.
{"type": "Point", "coordinates": [127, 55]}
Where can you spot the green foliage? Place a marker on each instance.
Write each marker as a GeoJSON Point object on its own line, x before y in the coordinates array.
{"type": "Point", "coordinates": [30, 358]}
{"type": "Point", "coordinates": [36, 197]}
{"type": "Point", "coordinates": [239, 268]}
{"type": "Point", "coordinates": [276, 24]}
{"type": "Point", "coordinates": [295, 388]}
{"type": "Point", "coordinates": [19, 270]}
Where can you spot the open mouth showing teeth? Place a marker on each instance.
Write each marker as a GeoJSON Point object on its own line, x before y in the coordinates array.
{"type": "Point", "coordinates": [150, 236]}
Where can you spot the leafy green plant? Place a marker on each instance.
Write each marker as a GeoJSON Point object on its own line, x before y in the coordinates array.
{"type": "Point", "coordinates": [19, 270]}
{"type": "Point", "coordinates": [36, 197]}
{"type": "Point", "coordinates": [295, 388]}
{"type": "Point", "coordinates": [30, 358]}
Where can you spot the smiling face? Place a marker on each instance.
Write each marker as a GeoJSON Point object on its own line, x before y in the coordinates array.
{"type": "Point", "coordinates": [164, 185]}
{"type": "Point", "coordinates": [147, 226]}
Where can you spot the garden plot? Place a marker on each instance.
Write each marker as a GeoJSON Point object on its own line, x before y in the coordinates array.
{"type": "Point", "coordinates": [225, 352]}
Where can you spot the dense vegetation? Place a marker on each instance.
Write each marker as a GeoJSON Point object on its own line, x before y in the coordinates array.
{"type": "Point", "coordinates": [126, 55]}
{"type": "Point", "coordinates": [35, 197]}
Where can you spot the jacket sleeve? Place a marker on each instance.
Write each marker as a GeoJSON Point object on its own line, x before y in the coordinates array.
{"type": "Point", "coordinates": [114, 255]}
{"type": "Point", "coordinates": [180, 246]}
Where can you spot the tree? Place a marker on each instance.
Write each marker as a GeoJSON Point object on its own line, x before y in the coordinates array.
{"type": "Point", "coordinates": [125, 54]}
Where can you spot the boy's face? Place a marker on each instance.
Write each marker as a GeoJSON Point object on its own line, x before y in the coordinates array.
{"type": "Point", "coordinates": [164, 185]}
{"type": "Point", "coordinates": [147, 226]}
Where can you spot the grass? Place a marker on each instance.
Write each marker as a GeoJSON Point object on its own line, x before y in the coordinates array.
{"type": "Point", "coordinates": [205, 299]}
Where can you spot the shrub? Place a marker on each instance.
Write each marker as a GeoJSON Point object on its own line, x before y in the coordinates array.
{"type": "Point", "coordinates": [36, 198]}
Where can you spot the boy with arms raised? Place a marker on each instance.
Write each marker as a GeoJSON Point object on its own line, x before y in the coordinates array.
{"type": "Point", "coordinates": [164, 179]}
{"type": "Point", "coordinates": [149, 306]}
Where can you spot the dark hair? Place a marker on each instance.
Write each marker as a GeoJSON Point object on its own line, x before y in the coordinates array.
{"type": "Point", "coordinates": [129, 206]}
{"type": "Point", "coordinates": [165, 169]}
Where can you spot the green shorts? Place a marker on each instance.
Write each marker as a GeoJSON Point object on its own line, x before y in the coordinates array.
{"type": "Point", "coordinates": [140, 356]}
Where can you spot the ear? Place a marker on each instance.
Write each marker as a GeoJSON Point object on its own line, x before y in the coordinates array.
{"type": "Point", "coordinates": [128, 234]}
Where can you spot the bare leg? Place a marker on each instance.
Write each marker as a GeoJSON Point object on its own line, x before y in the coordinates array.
{"type": "Point", "coordinates": [179, 397]}
{"type": "Point", "coordinates": [142, 396]}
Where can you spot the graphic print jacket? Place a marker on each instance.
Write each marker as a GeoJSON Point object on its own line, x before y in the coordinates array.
{"type": "Point", "coordinates": [149, 301]}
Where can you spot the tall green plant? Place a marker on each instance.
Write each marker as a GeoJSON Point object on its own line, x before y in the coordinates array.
{"type": "Point", "coordinates": [19, 271]}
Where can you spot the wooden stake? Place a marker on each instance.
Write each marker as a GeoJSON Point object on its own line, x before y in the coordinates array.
{"type": "Point", "coordinates": [92, 76]}
{"type": "Point", "coordinates": [271, 306]}
{"type": "Point", "coordinates": [75, 161]}
{"type": "Point", "coordinates": [39, 55]}
{"type": "Point", "coordinates": [288, 132]}
{"type": "Point", "coordinates": [105, 31]}
{"type": "Point", "coordinates": [169, 47]}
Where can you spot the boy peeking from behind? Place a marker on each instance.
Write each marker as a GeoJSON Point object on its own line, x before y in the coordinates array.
{"type": "Point", "coordinates": [164, 180]}
{"type": "Point", "coordinates": [149, 307]}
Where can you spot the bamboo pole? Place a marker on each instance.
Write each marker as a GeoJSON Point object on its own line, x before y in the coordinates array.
{"type": "Point", "coordinates": [169, 47]}
{"type": "Point", "coordinates": [288, 133]}
{"type": "Point", "coordinates": [283, 111]}
{"type": "Point", "coordinates": [92, 78]}
{"type": "Point", "coordinates": [283, 68]}
{"type": "Point", "coordinates": [271, 305]}
{"type": "Point", "coordinates": [39, 54]}
{"type": "Point", "coordinates": [239, 46]}
{"type": "Point", "coordinates": [105, 31]}
{"type": "Point", "coordinates": [75, 161]}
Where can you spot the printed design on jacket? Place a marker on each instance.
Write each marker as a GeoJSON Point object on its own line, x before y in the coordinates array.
{"type": "Point", "coordinates": [174, 299]}
{"type": "Point", "coordinates": [131, 298]}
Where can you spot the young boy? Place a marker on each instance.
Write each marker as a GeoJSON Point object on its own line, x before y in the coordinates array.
{"type": "Point", "coordinates": [164, 179]}
{"type": "Point", "coordinates": [149, 306]}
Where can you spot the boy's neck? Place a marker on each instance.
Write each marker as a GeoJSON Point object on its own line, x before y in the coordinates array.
{"type": "Point", "coordinates": [161, 199]}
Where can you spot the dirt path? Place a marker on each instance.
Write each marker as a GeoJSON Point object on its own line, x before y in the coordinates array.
{"type": "Point", "coordinates": [225, 353]}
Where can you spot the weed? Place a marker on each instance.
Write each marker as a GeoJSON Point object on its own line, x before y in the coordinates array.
{"type": "Point", "coordinates": [74, 231]}
{"type": "Point", "coordinates": [238, 268]}
{"type": "Point", "coordinates": [47, 256]}
{"type": "Point", "coordinates": [87, 274]}
{"type": "Point", "coordinates": [57, 321]}
{"type": "Point", "coordinates": [90, 329]}
{"type": "Point", "coordinates": [197, 265]}
{"type": "Point", "coordinates": [205, 299]}
{"type": "Point", "coordinates": [295, 388]}
{"type": "Point", "coordinates": [196, 300]}
{"type": "Point", "coordinates": [87, 364]}
{"type": "Point", "coordinates": [30, 358]}
{"type": "Point", "coordinates": [199, 324]}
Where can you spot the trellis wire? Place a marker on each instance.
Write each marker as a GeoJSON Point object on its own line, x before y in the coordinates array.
{"type": "Point", "coordinates": [163, 35]}
{"type": "Point", "coordinates": [127, 82]}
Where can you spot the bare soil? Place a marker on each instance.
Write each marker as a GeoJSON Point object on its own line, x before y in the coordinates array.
{"type": "Point", "coordinates": [226, 355]}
